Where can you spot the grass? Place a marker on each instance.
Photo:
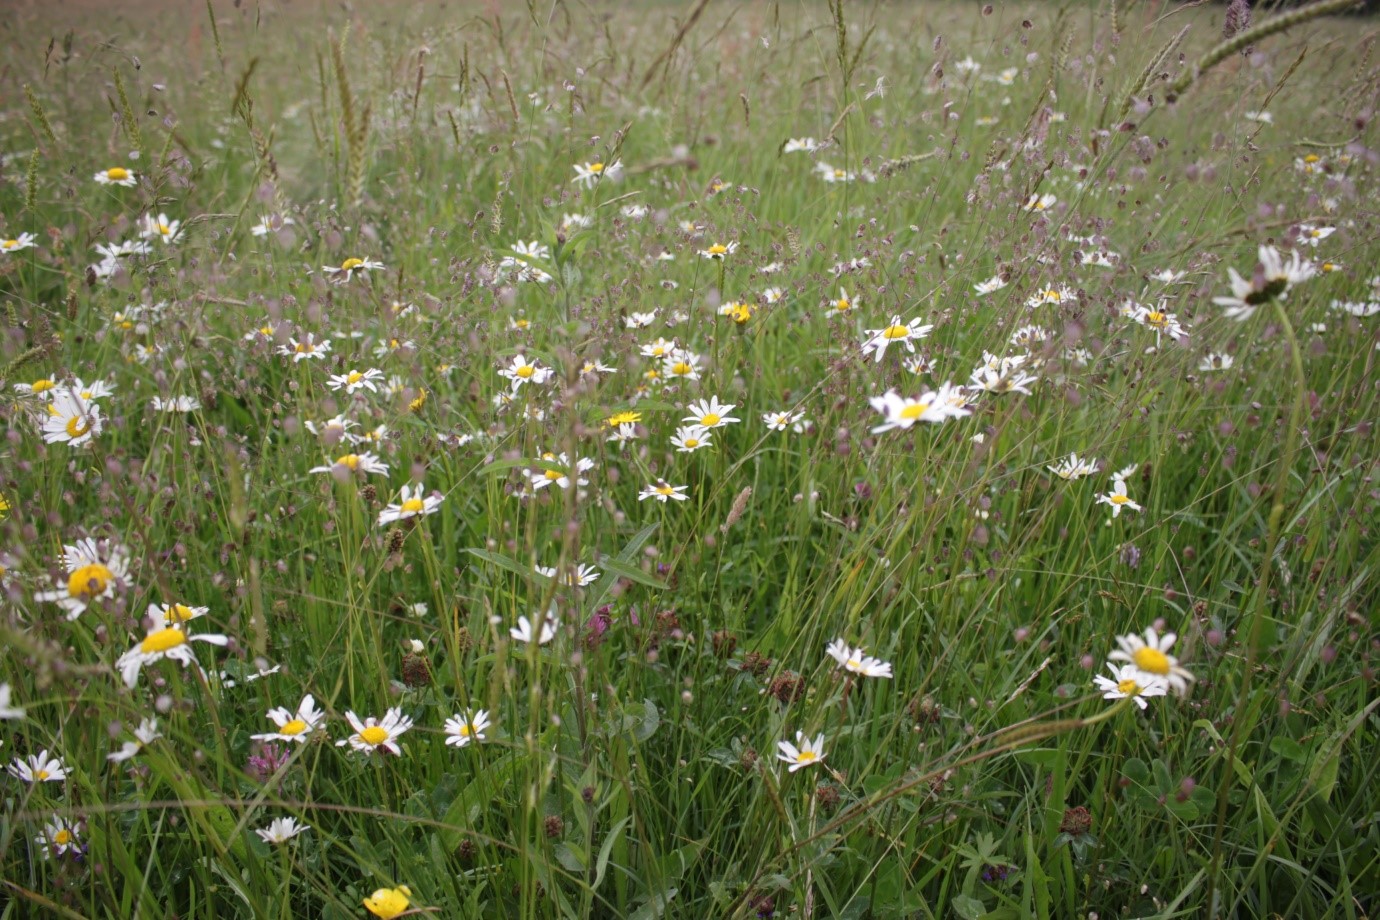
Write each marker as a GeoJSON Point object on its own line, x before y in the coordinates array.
{"type": "Point", "coordinates": [631, 765]}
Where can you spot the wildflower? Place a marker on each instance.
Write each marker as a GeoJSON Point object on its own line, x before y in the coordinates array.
{"type": "Point", "coordinates": [271, 223]}
{"type": "Point", "coordinates": [523, 632]}
{"type": "Point", "coordinates": [852, 265]}
{"type": "Point", "coordinates": [145, 734]}
{"type": "Point", "coordinates": [1264, 118]}
{"type": "Point", "coordinates": [388, 903]}
{"type": "Point", "coordinates": [719, 251]}
{"type": "Point", "coordinates": [59, 838]}
{"type": "Point", "coordinates": [1008, 378]}
{"type": "Point", "coordinates": [523, 371]}
{"type": "Point", "coordinates": [414, 502]}
{"type": "Point", "coordinates": [571, 222]}
{"type": "Point", "coordinates": [1311, 235]}
{"type": "Point", "coordinates": [639, 320]}
{"type": "Point", "coordinates": [93, 573]}
{"type": "Point", "coordinates": [1157, 319]}
{"type": "Point", "coordinates": [1053, 295]}
{"type": "Point", "coordinates": [1167, 276]}
{"type": "Point", "coordinates": [780, 421]}
{"type": "Point", "coordinates": [345, 271]}
{"type": "Point", "coordinates": [579, 577]}
{"type": "Point", "coordinates": [170, 642]}
{"type": "Point", "coordinates": [7, 709]}
{"type": "Point", "coordinates": [1130, 681]}
{"type": "Point", "coordinates": [1029, 337]}
{"type": "Point", "coordinates": [38, 768]}
{"type": "Point", "coordinates": [23, 241]}
{"type": "Point", "coordinates": [372, 734]}
{"type": "Point", "coordinates": [354, 463]}
{"type": "Point", "coordinates": [690, 438]}
{"type": "Point", "coordinates": [801, 144]}
{"type": "Point", "coordinates": [44, 388]}
{"type": "Point", "coordinates": [623, 433]}
{"type": "Point", "coordinates": [281, 830]}
{"type": "Point", "coordinates": [896, 333]}
{"type": "Point", "coordinates": [522, 258]}
{"type": "Point", "coordinates": [710, 413]}
{"type": "Point", "coordinates": [854, 661]}
{"type": "Point", "coordinates": [467, 726]}
{"type": "Point", "coordinates": [967, 65]}
{"type": "Point", "coordinates": [622, 418]}
{"type": "Point", "coordinates": [560, 477]}
{"type": "Point", "coordinates": [182, 404]}
{"type": "Point", "coordinates": [1118, 498]}
{"type": "Point", "coordinates": [833, 173]}
{"type": "Point", "coordinates": [356, 380]}
{"type": "Point", "coordinates": [634, 211]}
{"type": "Point", "coordinates": [1310, 165]}
{"type": "Point", "coordinates": [306, 348]}
{"type": "Point", "coordinates": [842, 305]}
{"type": "Point", "coordinates": [332, 430]}
{"type": "Point", "coordinates": [1071, 468]}
{"type": "Point", "coordinates": [1037, 202]}
{"type": "Point", "coordinates": [682, 364]}
{"type": "Point", "coordinates": [159, 228]}
{"type": "Point", "coordinates": [1216, 361]}
{"type": "Point", "coordinates": [1273, 278]}
{"type": "Point", "coordinates": [663, 491]}
{"type": "Point", "coordinates": [116, 175]}
{"type": "Point", "coordinates": [174, 614]}
{"type": "Point", "coordinates": [71, 419]}
{"type": "Point", "coordinates": [294, 726]}
{"type": "Point", "coordinates": [589, 174]}
{"type": "Point", "coordinates": [808, 753]}
{"type": "Point", "coordinates": [903, 412]}
{"type": "Point", "coordinates": [994, 283]}
{"type": "Point", "coordinates": [738, 311]}
{"type": "Point", "coordinates": [595, 367]}
{"type": "Point", "coordinates": [1151, 656]}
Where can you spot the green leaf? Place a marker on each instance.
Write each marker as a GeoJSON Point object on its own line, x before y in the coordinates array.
{"type": "Point", "coordinates": [602, 863]}
{"type": "Point", "coordinates": [968, 907]}
{"type": "Point", "coordinates": [503, 562]}
{"type": "Point", "coordinates": [631, 573]}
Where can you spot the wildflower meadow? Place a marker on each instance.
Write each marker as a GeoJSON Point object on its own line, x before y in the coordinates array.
{"type": "Point", "coordinates": [774, 459]}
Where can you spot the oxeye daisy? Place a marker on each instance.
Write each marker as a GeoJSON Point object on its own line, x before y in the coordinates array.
{"type": "Point", "coordinates": [780, 421]}
{"type": "Point", "coordinates": [94, 572]}
{"type": "Point", "coordinates": [22, 241]}
{"type": "Point", "coordinates": [1037, 202]}
{"type": "Point", "coordinates": [43, 388]}
{"type": "Point", "coordinates": [571, 222]}
{"type": "Point", "coordinates": [1216, 361]}
{"type": "Point", "coordinates": [170, 642]}
{"type": "Point", "coordinates": [1118, 498]}
{"type": "Point", "coordinates": [691, 438]}
{"type": "Point", "coordinates": [663, 491]}
{"type": "Point", "coordinates": [144, 735]}
{"type": "Point", "coordinates": [345, 271]}
{"type": "Point", "coordinates": [894, 333]}
{"type": "Point", "coordinates": [682, 364]}
{"type": "Point", "coordinates": [159, 228]}
{"type": "Point", "coordinates": [388, 903]}
{"type": "Point", "coordinates": [96, 389]}
{"type": "Point", "coordinates": [71, 420]}
{"type": "Point", "coordinates": [271, 223]}
{"type": "Point", "coordinates": [1311, 235]}
{"type": "Point", "coordinates": [1053, 295]}
{"type": "Point", "coordinates": [1272, 278]}
{"type": "Point", "coordinates": [639, 320]}
{"type": "Point", "coordinates": [903, 412]}
{"type": "Point", "coordinates": [801, 144]}
{"type": "Point", "coordinates": [843, 304]}
{"type": "Point", "coordinates": [710, 413]}
{"type": "Point", "coordinates": [466, 727]}
{"type": "Point", "coordinates": [1151, 655]}
{"type": "Point", "coordinates": [526, 631]}
{"type": "Point", "coordinates": [305, 348]}
{"type": "Point", "coordinates": [1158, 319]}
{"type": "Point", "coordinates": [38, 768]}
{"type": "Point", "coordinates": [719, 251]}
{"type": "Point", "coordinates": [1072, 468]}
{"type": "Point", "coordinates": [803, 753]}
{"type": "Point", "coordinates": [739, 311]}
{"type": "Point", "coordinates": [561, 477]}
{"type": "Point", "coordinates": [522, 371]}
{"type": "Point", "coordinates": [998, 380]}
{"type": "Point", "coordinates": [1130, 681]}
{"type": "Point", "coordinates": [7, 709]}
{"type": "Point", "coordinates": [578, 577]}
{"type": "Point", "coordinates": [175, 404]}
{"type": "Point", "coordinates": [356, 380]}
{"type": "Point", "coordinates": [588, 174]}
{"type": "Point", "coordinates": [59, 838]}
{"type": "Point", "coordinates": [854, 661]}
{"type": "Point", "coordinates": [414, 502]}
{"type": "Point", "coordinates": [995, 283]}
{"type": "Point", "coordinates": [351, 464]}
{"type": "Point", "coordinates": [372, 734]}
{"type": "Point", "coordinates": [294, 726]}
{"type": "Point", "coordinates": [281, 830]}
{"type": "Point", "coordinates": [116, 175]}
{"type": "Point", "coordinates": [174, 614]}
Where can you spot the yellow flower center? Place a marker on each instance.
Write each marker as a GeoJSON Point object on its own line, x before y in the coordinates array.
{"type": "Point", "coordinates": [807, 757]}
{"type": "Point", "coordinates": [89, 581]}
{"type": "Point", "coordinates": [1156, 318]}
{"type": "Point", "coordinates": [163, 641]}
{"type": "Point", "coordinates": [41, 775]}
{"type": "Point", "coordinates": [10, 244]}
{"type": "Point", "coordinates": [305, 348]}
{"type": "Point", "coordinates": [596, 167]}
{"type": "Point", "coordinates": [354, 377]}
{"type": "Point", "coordinates": [525, 371]}
{"type": "Point", "coordinates": [852, 664]}
{"type": "Point", "coordinates": [623, 418]}
{"type": "Point", "coordinates": [1312, 158]}
{"type": "Point", "coordinates": [665, 489]}
{"type": "Point", "coordinates": [164, 228]}
{"type": "Point", "coordinates": [349, 461]}
{"type": "Point", "coordinates": [77, 426]}
{"type": "Point", "coordinates": [413, 506]}
{"type": "Point", "coordinates": [265, 331]}
{"type": "Point", "coordinates": [465, 730]}
{"type": "Point", "coordinates": [658, 351]}
{"type": "Point", "coordinates": [1151, 660]}
{"type": "Point", "coordinates": [350, 264]}
{"type": "Point", "coordinates": [896, 332]}
{"type": "Point", "coordinates": [117, 174]}
{"type": "Point", "coordinates": [681, 368]}
{"type": "Point", "coordinates": [178, 613]}
{"type": "Point", "coordinates": [843, 305]}
{"type": "Point", "coordinates": [692, 442]}
{"type": "Point", "coordinates": [374, 735]}
{"type": "Point", "coordinates": [710, 419]}
{"type": "Point", "coordinates": [1120, 499]}
{"type": "Point", "coordinates": [295, 727]}
{"type": "Point", "coordinates": [554, 475]}
{"type": "Point", "coordinates": [1128, 687]}
{"type": "Point", "coordinates": [914, 411]}
{"type": "Point", "coordinates": [41, 386]}
{"type": "Point", "coordinates": [522, 323]}
{"type": "Point", "coordinates": [62, 837]}
{"type": "Point", "coordinates": [839, 174]}
{"type": "Point", "coordinates": [718, 249]}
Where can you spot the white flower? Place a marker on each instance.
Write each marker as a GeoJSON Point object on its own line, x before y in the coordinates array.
{"type": "Point", "coordinates": [145, 734]}
{"type": "Point", "coordinates": [780, 421]}
{"type": "Point", "coordinates": [71, 419]}
{"type": "Point", "coordinates": [59, 837]}
{"type": "Point", "coordinates": [663, 491]}
{"type": "Point", "coordinates": [588, 174]}
{"type": "Point", "coordinates": [682, 364]}
{"type": "Point", "coordinates": [372, 734]}
{"type": "Point", "coordinates": [281, 830]}
{"type": "Point", "coordinates": [345, 271]}
{"type": "Point", "coordinates": [1118, 498]}
{"type": "Point", "coordinates": [1005, 379]}
{"type": "Point", "coordinates": [354, 463]}
{"type": "Point", "coordinates": [994, 283]}
{"type": "Point", "coordinates": [23, 241]}
{"type": "Point", "coordinates": [356, 380]}
{"type": "Point", "coordinates": [173, 614]}
{"type": "Point", "coordinates": [159, 228]}
{"type": "Point", "coordinates": [271, 223]}
{"type": "Point", "coordinates": [522, 371]}
{"type": "Point", "coordinates": [580, 576]}
{"type": "Point", "coordinates": [903, 412]}
{"type": "Point", "coordinates": [690, 438]}
{"type": "Point", "coordinates": [806, 754]}
{"type": "Point", "coordinates": [719, 250]}
{"type": "Point", "coordinates": [168, 642]}
{"type": "Point", "coordinates": [1264, 118]}
{"type": "Point", "coordinates": [710, 413]}
{"type": "Point", "coordinates": [94, 572]}
{"type": "Point", "coordinates": [855, 661]}
{"type": "Point", "coordinates": [116, 175]}
{"type": "Point", "coordinates": [639, 320]}
{"type": "Point", "coordinates": [414, 502]}
{"type": "Point", "coordinates": [561, 477]}
{"type": "Point", "coordinates": [183, 404]}
{"type": "Point", "coordinates": [1053, 295]}
{"type": "Point", "coordinates": [571, 222]}
{"type": "Point", "coordinates": [524, 254]}
{"type": "Point", "coordinates": [523, 631]}
{"type": "Point", "coordinates": [7, 710]}
{"type": "Point", "coordinates": [1130, 681]}
{"type": "Point", "coordinates": [895, 333]}
{"type": "Point", "coordinates": [1216, 361]}
{"type": "Point", "coordinates": [1273, 278]}
{"type": "Point", "coordinates": [1037, 202]}
{"type": "Point", "coordinates": [294, 726]}
{"type": "Point", "coordinates": [801, 144]}
{"type": "Point", "coordinates": [38, 768]}
{"type": "Point", "coordinates": [1151, 657]}
{"type": "Point", "coordinates": [1071, 468]}
{"type": "Point", "coordinates": [307, 347]}
{"type": "Point", "coordinates": [1158, 319]}
{"type": "Point", "coordinates": [1311, 235]}
{"type": "Point", "coordinates": [465, 727]}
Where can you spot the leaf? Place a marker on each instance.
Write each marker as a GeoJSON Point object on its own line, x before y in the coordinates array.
{"type": "Point", "coordinates": [651, 720]}
{"type": "Point", "coordinates": [569, 857]}
{"type": "Point", "coordinates": [503, 562]}
{"type": "Point", "coordinates": [631, 573]}
{"type": "Point", "coordinates": [602, 863]}
{"type": "Point", "coordinates": [968, 907]}
{"type": "Point", "coordinates": [625, 556]}
{"type": "Point", "coordinates": [501, 466]}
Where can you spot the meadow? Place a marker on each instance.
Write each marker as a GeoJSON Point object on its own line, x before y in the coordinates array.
{"type": "Point", "coordinates": [812, 460]}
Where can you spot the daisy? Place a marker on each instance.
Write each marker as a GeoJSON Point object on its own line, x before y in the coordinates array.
{"type": "Point", "coordinates": [1053, 295]}
{"type": "Point", "coordinates": [23, 241]}
{"type": "Point", "coordinates": [354, 463]}
{"type": "Point", "coordinates": [8, 710]}
{"type": "Point", "coordinates": [271, 223]}
{"type": "Point", "coordinates": [1216, 361]}
{"type": "Point", "coordinates": [682, 364]}
{"type": "Point", "coordinates": [520, 262]}
{"type": "Point", "coordinates": [1157, 319]}
{"type": "Point", "coordinates": [159, 228]}
{"type": "Point", "coordinates": [174, 614]}
{"type": "Point", "coordinates": [994, 283]}
{"type": "Point", "coordinates": [1002, 380]}
{"type": "Point", "coordinates": [306, 348]}
{"type": "Point", "coordinates": [145, 734]}
{"type": "Point", "coordinates": [281, 830]}
{"type": "Point", "coordinates": [332, 430]}
{"type": "Point", "coordinates": [1071, 468]}
{"type": "Point", "coordinates": [896, 333]}
{"type": "Point", "coordinates": [523, 632]}
{"type": "Point", "coordinates": [842, 305]}
{"type": "Point", "coordinates": [622, 434]}
{"type": "Point", "coordinates": [162, 642]}
{"type": "Point", "coordinates": [113, 252]}
{"type": "Point", "coordinates": [182, 404]}
{"type": "Point", "coordinates": [1130, 681]}
{"type": "Point", "coordinates": [1118, 498]}
{"type": "Point", "coordinates": [719, 251]}
{"type": "Point", "coordinates": [1030, 337]}
{"type": "Point", "coordinates": [94, 571]}
{"type": "Point", "coordinates": [589, 174]}
{"type": "Point", "coordinates": [780, 421]}
{"type": "Point", "coordinates": [579, 577]}
{"type": "Point", "coordinates": [44, 388]}
{"type": "Point", "coordinates": [808, 753]}
{"type": "Point", "coordinates": [467, 726]}
{"type": "Point", "coordinates": [639, 320]}
{"type": "Point", "coordinates": [1151, 656]}
{"type": "Point", "coordinates": [1264, 118]}
{"type": "Point", "coordinates": [709, 413]}
{"type": "Point", "coordinates": [294, 726]}
{"type": "Point", "coordinates": [571, 222]}
{"type": "Point", "coordinates": [71, 420]}
{"type": "Point", "coordinates": [595, 367]}
{"type": "Point", "coordinates": [38, 768]}
{"type": "Point", "coordinates": [59, 837]}
{"type": "Point", "coordinates": [356, 380]}
{"type": "Point", "coordinates": [738, 311]}
{"type": "Point", "coordinates": [372, 733]}
{"type": "Point", "coordinates": [559, 477]}
{"type": "Point", "coordinates": [414, 502]}
{"type": "Point", "coordinates": [854, 661]}
{"type": "Point", "coordinates": [388, 903]}
{"type": "Point", "coordinates": [1311, 235]}
{"type": "Point", "coordinates": [663, 491]}
{"type": "Point", "coordinates": [116, 175]}
{"type": "Point", "coordinates": [523, 371]}
{"type": "Point", "coordinates": [690, 438]}
{"type": "Point", "coordinates": [634, 211]}
{"type": "Point", "coordinates": [345, 271]}
{"type": "Point", "coordinates": [1037, 202]}
{"type": "Point", "coordinates": [834, 174]}
{"type": "Point", "coordinates": [801, 145]}
{"type": "Point", "coordinates": [903, 412]}
{"type": "Point", "coordinates": [1273, 278]}
{"type": "Point", "coordinates": [96, 389]}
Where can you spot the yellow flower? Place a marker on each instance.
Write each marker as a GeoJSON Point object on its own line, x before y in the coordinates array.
{"type": "Point", "coordinates": [388, 902]}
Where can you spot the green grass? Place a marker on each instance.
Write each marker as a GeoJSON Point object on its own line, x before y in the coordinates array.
{"type": "Point", "coordinates": [631, 768]}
